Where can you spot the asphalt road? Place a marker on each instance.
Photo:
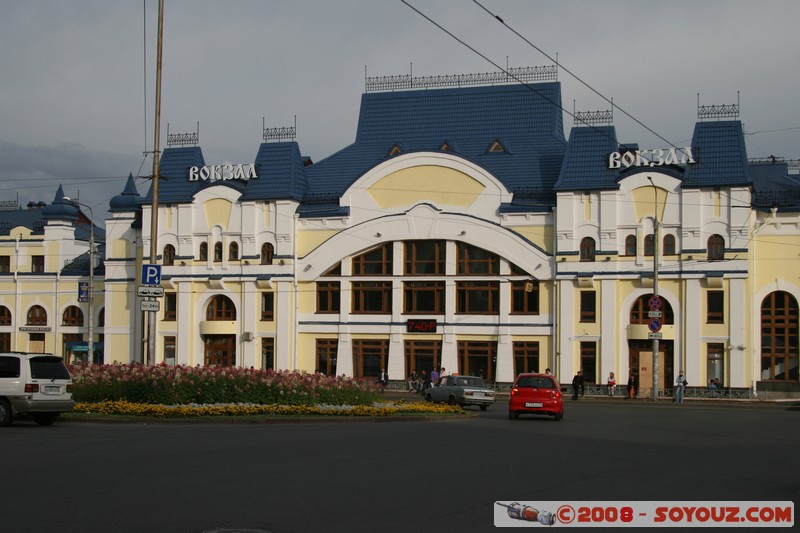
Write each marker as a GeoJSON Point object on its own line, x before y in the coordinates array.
{"type": "Point", "coordinates": [422, 476]}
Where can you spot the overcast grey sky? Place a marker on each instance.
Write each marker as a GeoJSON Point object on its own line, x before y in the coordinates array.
{"type": "Point", "coordinates": [77, 103]}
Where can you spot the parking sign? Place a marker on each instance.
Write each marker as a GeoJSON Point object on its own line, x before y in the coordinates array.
{"type": "Point", "coordinates": [151, 274]}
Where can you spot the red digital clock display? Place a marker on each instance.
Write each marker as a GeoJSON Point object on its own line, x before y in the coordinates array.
{"type": "Point", "coordinates": [420, 326]}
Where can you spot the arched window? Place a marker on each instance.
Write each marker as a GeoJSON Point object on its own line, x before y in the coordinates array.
{"type": "Point", "coordinates": [101, 318]}
{"type": "Point", "coordinates": [203, 251]}
{"type": "Point", "coordinates": [5, 316]}
{"type": "Point", "coordinates": [669, 244]}
{"type": "Point", "coordinates": [218, 252]}
{"type": "Point", "coordinates": [233, 251]}
{"type": "Point", "coordinates": [640, 311]}
{"type": "Point", "coordinates": [716, 248]}
{"type": "Point", "coordinates": [73, 316]}
{"type": "Point", "coordinates": [221, 308]}
{"type": "Point", "coordinates": [587, 249]}
{"type": "Point", "coordinates": [267, 252]}
{"type": "Point", "coordinates": [779, 337]}
{"type": "Point", "coordinates": [649, 245]}
{"type": "Point", "coordinates": [37, 316]}
{"type": "Point", "coordinates": [169, 255]}
{"type": "Point", "coordinates": [630, 245]}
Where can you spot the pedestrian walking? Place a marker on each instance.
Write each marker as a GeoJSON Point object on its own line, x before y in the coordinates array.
{"type": "Point", "coordinates": [383, 380]}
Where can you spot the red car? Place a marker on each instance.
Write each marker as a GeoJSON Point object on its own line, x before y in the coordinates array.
{"type": "Point", "coordinates": [536, 394]}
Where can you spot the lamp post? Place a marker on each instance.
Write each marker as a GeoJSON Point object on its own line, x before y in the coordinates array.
{"type": "Point", "coordinates": [90, 342]}
{"type": "Point", "coordinates": [655, 284]}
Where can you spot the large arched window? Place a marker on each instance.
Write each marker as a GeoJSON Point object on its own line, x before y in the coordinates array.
{"type": "Point", "coordinates": [630, 245]}
{"type": "Point", "coordinates": [101, 318]}
{"type": "Point", "coordinates": [640, 311]}
{"type": "Point", "coordinates": [779, 337]}
{"type": "Point", "coordinates": [669, 244]}
{"type": "Point", "coordinates": [203, 251]}
{"type": "Point", "coordinates": [169, 255]}
{"type": "Point", "coordinates": [5, 316]}
{"type": "Point", "coordinates": [267, 252]}
{"type": "Point", "coordinates": [221, 308]}
{"type": "Point", "coordinates": [649, 245]}
{"type": "Point", "coordinates": [587, 249]}
{"type": "Point", "coordinates": [73, 316]}
{"type": "Point", "coordinates": [37, 316]}
{"type": "Point", "coordinates": [716, 248]}
{"type": "Point", "coordinates": [218, 252]}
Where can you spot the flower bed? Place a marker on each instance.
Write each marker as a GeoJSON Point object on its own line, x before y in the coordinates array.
{"type": "Point", "coordinates": [195, 410]}
{"type": "Point", "coordinates": [181, 385]}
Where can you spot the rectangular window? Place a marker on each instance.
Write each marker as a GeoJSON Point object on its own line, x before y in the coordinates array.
{"type": "Point", "coordinates": [589, 361]}
{"type": "Point", "coordinates": [5, 342]}
{"type": "Point", "coordinates": [477, 297]}
{"type": "Point", "coordinates": [267, 353]}
{"type": "Point", "coordinates": [169, 350]}
{"type": "Point", "coordinates": [5, 263]}
{"type": "Point", "coordinates": [37, 263]}
{"type": "Point", "coordinates": [369, 356]}
{"type": "Point", "coordinates": [170, 306]}
{"type": "Point", "coordinates": [715, 362]}
{"type": "Point", "coordinates": [423, 297]}
{"type": "Point", "coordinates": [422, 356]}
{"type": "Point", "coordinates": [588, 306]}
{"type": "Point", "coordinates": [525, 297]}
{"type": "Point", "coordinates": [526, 357]}
{"type": "Point", "coordinates": [424, 258]}
{"type": "Point", "coordinates": [267, 306]}
{"type": "Point", "coordinates": [326, 356]}
{"type": "Point", "coordinates": [372, 297]}
{"type": "Point", "coordinates": [328, 296]}
{"type": "Point", "coordinates": [477, 358]}
{"type": "Point", "coordinates": [715, 307]}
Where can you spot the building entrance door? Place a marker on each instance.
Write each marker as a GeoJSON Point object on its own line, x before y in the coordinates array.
{"type": "Point", "coordinates": [220, 350]}
{"type": "Point", "coordinates": [640, 360]}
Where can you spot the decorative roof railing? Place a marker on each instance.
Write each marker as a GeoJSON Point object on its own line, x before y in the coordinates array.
{"type": "Point", "coordinates": [591, 118]}
{"type": "Point", "coordinates": [183, 139]}
{"type": "Point", "coordinates": [776, 198]}
{"type": "Point", "coordinates": [793, 165]}
{"type": "Point", "coordinates": [9, 205]}
{"type": "Point", "coordinates": [510, 75]}
{"type": "Point", "coordinates": [717, 111]}
{"type": "Point", "coordinates": [278, 133]}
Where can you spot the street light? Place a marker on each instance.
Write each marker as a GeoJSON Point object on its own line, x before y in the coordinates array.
{"type": "Point", "coordinates": [90, 343]}
{"type": "Point", "coordinates": [655, 284]}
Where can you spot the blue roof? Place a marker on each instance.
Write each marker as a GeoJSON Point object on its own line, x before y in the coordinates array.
{"type": "Point", "coordinates": [525, 119]}
{"type": "Point", "coordinates": [279, 167]}
{"type": "Point", "coordinates": [719, 149]}
{"type": "Point", "coordinates": [586, 161]}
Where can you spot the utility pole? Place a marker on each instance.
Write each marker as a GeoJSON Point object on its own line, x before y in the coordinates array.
{"type": "Point", "coordinates": [90, 295]}
{"type": "Point", "coordinates": [655, 285]}
{"type": "Point", "coordinates": [151, 316]}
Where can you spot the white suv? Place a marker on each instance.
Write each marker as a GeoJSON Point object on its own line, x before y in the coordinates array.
{"type": "Point", "coordinates": [35, 384]}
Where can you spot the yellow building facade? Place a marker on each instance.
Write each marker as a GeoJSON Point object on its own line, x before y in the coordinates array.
{"type": "Point", "coordinates": [463, 230]}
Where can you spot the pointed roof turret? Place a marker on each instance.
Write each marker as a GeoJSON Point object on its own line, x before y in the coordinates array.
{"type": "Point", "coordinates": [128, 200]}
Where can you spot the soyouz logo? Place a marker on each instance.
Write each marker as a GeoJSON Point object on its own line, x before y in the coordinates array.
{"type": "Point", "coordinates": [646, 514]}
{"type": "Point", "coordinates": [223, 172]}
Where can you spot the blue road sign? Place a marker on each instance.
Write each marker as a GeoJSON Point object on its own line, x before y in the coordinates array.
{"type": "Point", "coordinates": [151, 274]}
{"type": "Point", "coordinates": [654, 302]}
{"type": "Point", "coordinates": [654, 325]}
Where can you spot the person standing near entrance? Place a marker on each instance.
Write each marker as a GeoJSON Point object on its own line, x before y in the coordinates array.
{"type": "Point", "coordinates": [577, 383]}
{"type": "Point", "coordinates": [680, 385]}
{"type": "Point", "coordinates": [434, 377]}
{"type": "Point", "coordinates": [633, 385]}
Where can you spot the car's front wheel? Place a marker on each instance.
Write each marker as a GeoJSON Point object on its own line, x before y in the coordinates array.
{"type": "Point", "coordinates": [6, 416]}
{"type": "Point", "coordinates": [45, 419]}
{"type": "Point", "coordinates": [428, 398]}
{"type": "Point", "coordinates": [453, 400]}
